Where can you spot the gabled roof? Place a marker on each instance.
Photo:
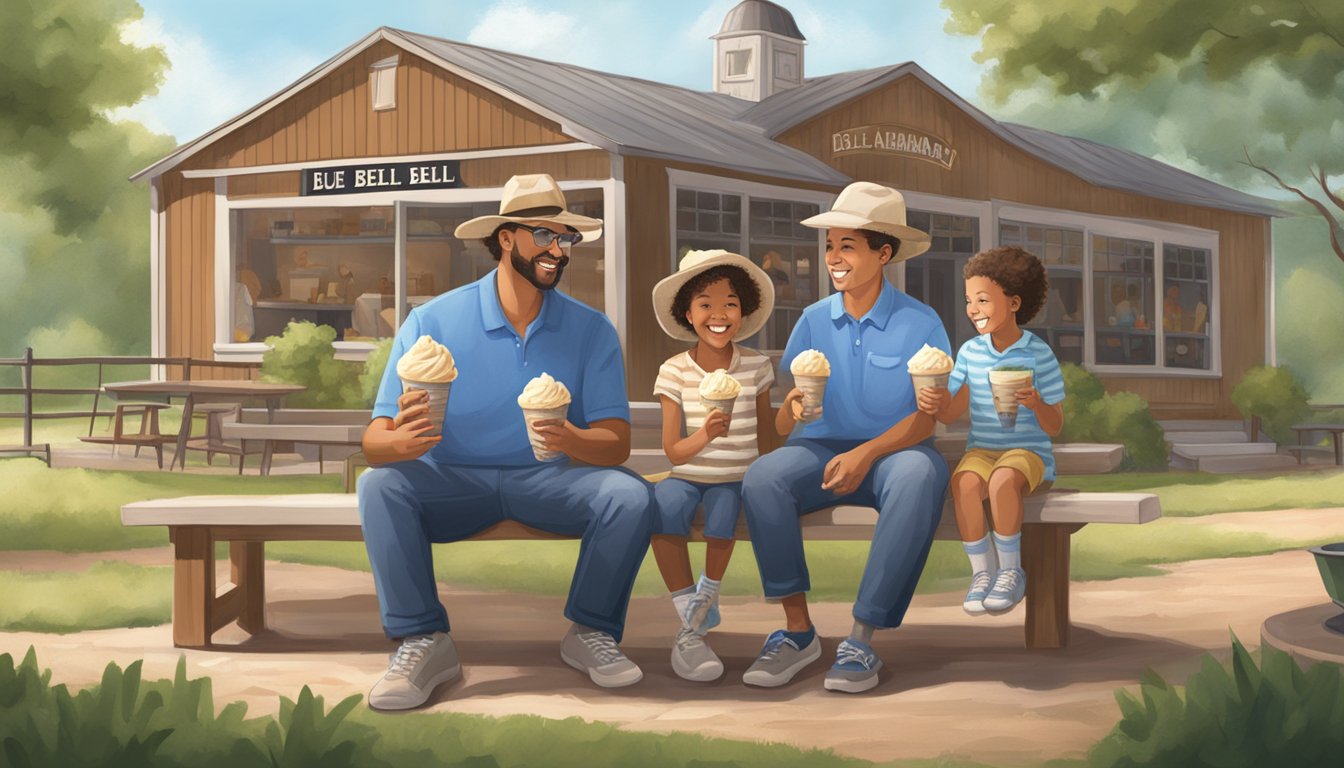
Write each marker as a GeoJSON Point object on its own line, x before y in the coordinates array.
{"type": "Point", "coordinates": [1094, 163]}
{"type": "Point", "coordinates": [630, 116]}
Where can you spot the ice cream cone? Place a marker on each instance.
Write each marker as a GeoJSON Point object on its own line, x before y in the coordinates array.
{"type": "Point", "coordinates": [1003, 385]}
{"type": "Point", "coordinates": [438, 402]}
{"type": "Point", "coordinates": [814, 391]}
{"type": "Point", "coordinates": [531, 415]}
{"type": "Point", "coordinates": [724, 404]}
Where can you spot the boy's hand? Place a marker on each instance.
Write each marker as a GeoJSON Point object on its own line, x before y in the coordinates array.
{"type": "Point", "coordinates": [1029, 398]}
{"type": "Point", "coordinates": [716, 424]}
{"type": "Point", "coordinates": [933, 400]}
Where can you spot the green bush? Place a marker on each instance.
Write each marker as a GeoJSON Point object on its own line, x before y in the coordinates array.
{"type": "Point", "coordinates": [1092, 416]}
{"type": "Point", "coordinates": [1276, 396]}
{"type": "Point", "coordinates": [304, 355]}
{"type": "Point", "coordinates": [1232, 715]}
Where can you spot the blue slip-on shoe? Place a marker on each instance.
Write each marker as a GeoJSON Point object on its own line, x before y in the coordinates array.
{"type": "Point", "coordinates": [855, 668]}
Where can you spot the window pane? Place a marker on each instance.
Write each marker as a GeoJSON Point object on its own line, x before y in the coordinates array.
{"type": "Point", "coordinates": [1185, 310]}
{"type": "Point", "coordinates": [1123, 300]}
{"type": "Point", "coordinates": [789, 253]}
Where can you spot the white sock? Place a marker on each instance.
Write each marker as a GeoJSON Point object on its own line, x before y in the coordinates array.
{"type": "Point", "coordinates": [981, 555]}
{"type": "Point", "coordinates": [708, 587]}
{"type": "Point", "coordinates": [680, 599]}
{"type": "Point", "coordinates": [1009, 549]}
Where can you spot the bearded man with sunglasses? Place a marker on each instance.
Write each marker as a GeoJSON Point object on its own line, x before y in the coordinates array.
{"type": "Point", "coordinates": [503, 330]}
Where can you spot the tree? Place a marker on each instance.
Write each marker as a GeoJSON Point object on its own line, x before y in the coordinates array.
{"type": "Point", "coordinates": [74, 235]}
{"type": "Point", "coordinates": [1223, 85]}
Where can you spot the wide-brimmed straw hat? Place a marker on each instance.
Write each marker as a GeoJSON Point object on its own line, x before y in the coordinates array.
{"type": "Point", "coordinates": [531, 197]}
{"type": "Point", "coordinates": [865, 205]}
{"type": "Point", "coordinates": [696, 262]}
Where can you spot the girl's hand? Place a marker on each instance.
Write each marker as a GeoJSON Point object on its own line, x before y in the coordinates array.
{"type": "Point", "coordinates": [716, 424]}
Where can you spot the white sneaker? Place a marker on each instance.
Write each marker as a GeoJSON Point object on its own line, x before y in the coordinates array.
{"type": "Point", "coordinates": [596, 653]}
{"type": "Point", "coordinates": [974, 603]}
{"type": "Point", "coordinates": [1010, 586]}
{"type": "Point", "coordinates": [422, 663]}
{"type": "Point", "coordinates": [693, 659]}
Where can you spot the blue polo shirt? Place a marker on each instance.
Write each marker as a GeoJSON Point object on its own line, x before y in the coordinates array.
{"type": "Point", "coordinates": [976, 358]}
{"type": "Point", "coordinates": [483, 425]}
{"type": "Point", "coordinates": [869, 390]}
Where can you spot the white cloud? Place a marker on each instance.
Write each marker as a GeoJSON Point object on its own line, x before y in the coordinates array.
{"type": "Point", "coordinates": [515, 26]}
{"type": "Point", "coordinates": [204, 88]}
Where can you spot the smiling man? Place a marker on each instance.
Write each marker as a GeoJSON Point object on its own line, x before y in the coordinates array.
{"type": "Point", "coordinates": [871, 446]}
{"type": "Point", "coordinates": [504, 330]}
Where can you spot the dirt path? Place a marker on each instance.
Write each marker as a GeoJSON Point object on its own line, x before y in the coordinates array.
{"type": "Point", "coordinates": [953, 685]}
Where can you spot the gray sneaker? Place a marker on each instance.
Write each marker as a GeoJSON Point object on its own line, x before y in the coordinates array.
{"type": "Point", "coordinates": [595, 652]}
{"type": "Point", "coordinates": [780, 660]}
{"type": "Point", "coordinates": [693, 659]}
{"type": "Point", "coordinates": [855, 668]}
{"type": "Point", "coordinates": [422, 663]}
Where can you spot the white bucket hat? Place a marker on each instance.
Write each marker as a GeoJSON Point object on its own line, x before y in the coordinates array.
{"type": "Point", "coordinates": [865, 205]}
{"type": "Point", "coordinates": [530, 197]}
{"type": "Point", "coordinates": [692, 264]}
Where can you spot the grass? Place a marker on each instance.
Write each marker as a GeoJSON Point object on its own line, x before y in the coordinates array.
{"type": "Point", "coordinates": [107, 595]}
{"type": "Point", "coordinates": [1193, 494]}
{"type": "Point", "coordinates": [79, 510]}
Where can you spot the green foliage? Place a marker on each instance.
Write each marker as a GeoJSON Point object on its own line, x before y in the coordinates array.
{"type": "Point", "coordinates": [1308, 277]}
{"type": "Point", "coordinates": [374, 366]}
{"type": "Point", "coordinates": [106, 596]}
{"type": "Point", "coordinates": [304, 355]}
{"type": "Point", "coordinates": [1092, 416]}
{"type": "Point", "coordinates": [1276, 396]}
{"type": "Point", "coordinates": [1231, 715]}
{"type": "Point", "coordinates": [74, 261]}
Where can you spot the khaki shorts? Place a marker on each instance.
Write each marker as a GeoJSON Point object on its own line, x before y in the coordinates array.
{"type": "Point", "coordinates": [983, 463]}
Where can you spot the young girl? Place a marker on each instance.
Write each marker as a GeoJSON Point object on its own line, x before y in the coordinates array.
{"type": "Point", "coordinates": [715, 299]}
{"type": "Point", "coordinates": [1008, 451]}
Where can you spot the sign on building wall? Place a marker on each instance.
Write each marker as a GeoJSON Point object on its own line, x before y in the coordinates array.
{"type": "Point", "coordinates": [892, 139]}
{"type": "Point", "coordinates": [381, 177]}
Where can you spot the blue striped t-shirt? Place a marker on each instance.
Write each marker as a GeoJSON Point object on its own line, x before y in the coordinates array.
{"type": "Point", "coordinates": [976, 358]}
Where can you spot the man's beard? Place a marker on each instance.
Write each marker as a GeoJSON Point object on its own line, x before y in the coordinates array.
{"type": "Point", "coordinates": [529, 269]}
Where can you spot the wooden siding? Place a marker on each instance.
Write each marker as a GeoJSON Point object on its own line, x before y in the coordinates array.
{"type": "Point", "coordinates": [988, 168]}
{"type": "Point", "coordinates": [190, 262]}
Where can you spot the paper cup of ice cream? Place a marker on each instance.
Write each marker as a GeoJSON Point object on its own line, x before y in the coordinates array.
{"type": "Point", "coordinates": [543, 398]}
{"type": "Point", "coordinates": [930, 367]}
{"type": "Point", "coordinates": [718, 392]}
{"type": "Point", "coordinates": [811, 370]}
{"type": "Point", "coordinates": [428, 365]}
{"type": "Point", "coordinates": [1003, 385]}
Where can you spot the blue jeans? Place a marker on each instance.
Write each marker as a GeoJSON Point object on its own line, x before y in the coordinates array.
{"type": "Point", "coordinates": [906, 487]}
{"type": "Point", "coordinates": [403, 507]}
{"type": "Point", "coordinates": [676, 500]}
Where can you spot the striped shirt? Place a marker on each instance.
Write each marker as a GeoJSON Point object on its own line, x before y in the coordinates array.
{"type": "Point", "coordinates": [975, 359]}
{"type": "Point", "coordinates": [726, 458]}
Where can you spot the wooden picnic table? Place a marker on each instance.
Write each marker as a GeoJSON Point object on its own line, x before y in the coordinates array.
{"type": "Point", "coordinates": [202, 391]}
{"type": "Point", "coordinates": [1336, 431]}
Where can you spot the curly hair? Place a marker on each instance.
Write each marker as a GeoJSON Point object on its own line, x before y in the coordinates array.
{"type": "Point", "coordinates": [748, 292]}
{"type": "Point", "coordinates": [1018, 273]}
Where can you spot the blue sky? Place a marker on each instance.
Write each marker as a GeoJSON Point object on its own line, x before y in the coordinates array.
{"type": "Point", "coordinates": [226, 57]}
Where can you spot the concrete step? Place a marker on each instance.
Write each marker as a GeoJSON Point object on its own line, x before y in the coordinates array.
{"type": "Point", "coordinates": [1252, 463]}
{"type": "Point", "coordinates": [1207, 436]}
{"type": "Point", "coordinates": [1201, 425]}
{"type": "Point", "coordinates": [1200, 450]}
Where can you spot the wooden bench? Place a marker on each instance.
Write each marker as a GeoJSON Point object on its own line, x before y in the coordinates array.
{"type": "Point", "coordinates": [195, 523]}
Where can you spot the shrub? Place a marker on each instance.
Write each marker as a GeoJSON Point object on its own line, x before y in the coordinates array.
{"type": "Point", "coordinates": [373, 370]}
{"type": "Point", "coordinates": [304, 355]}
{"type": "Point", "coordinates": [1092, 416]}
{"type": "Point", "coordinates": [1232, 715]}
{"type": "Point", "coordinates": [1276, 396]}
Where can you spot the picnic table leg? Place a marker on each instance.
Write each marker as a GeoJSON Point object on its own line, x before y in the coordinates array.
{"type": "Point", "coordinates": [1045, 557]}
{"type": "Point", "coordinates": [193, 586]}
{"type": "Point", "coordinates": [183, 434]}
{"type": "Point", "coordinates": [248, 568]}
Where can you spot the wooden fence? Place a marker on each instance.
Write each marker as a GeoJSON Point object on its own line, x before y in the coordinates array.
{"type": "Point", "coordinates": [26, 364]}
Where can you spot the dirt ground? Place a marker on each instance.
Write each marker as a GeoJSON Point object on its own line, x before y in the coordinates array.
{"type": "Point", "coordinates": [953, 685]}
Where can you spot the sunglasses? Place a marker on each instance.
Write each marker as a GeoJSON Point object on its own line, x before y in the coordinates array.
{"type": "Point", "coordinates": [543, 237]}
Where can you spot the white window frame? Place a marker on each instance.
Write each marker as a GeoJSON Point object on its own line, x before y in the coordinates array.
{"type": "Point", "coordinates": [1159, 234]}
{"type": "Point", "coordinates": [383, 84]}
{"type": "Point", "coordinates": [225, 348]}
{"type": "Point", "coordinates": [728, 75]}
{"type": "Point", "coordinates": [950, 206]}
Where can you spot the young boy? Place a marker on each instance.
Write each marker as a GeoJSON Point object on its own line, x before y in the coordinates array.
{"type": "Point", "coordinates": [1008, 451]}
{"type": "Point", "coordinates": [715, 299]}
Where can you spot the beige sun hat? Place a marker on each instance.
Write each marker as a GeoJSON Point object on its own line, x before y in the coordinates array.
{"type": "Point", "coordinates": [530, 197]}
{"type": "Point", "coordinates": [865, 205]}
{"type": "Point", "coordinates": [692, 264]}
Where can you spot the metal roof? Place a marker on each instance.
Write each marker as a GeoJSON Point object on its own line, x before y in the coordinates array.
{"type": "Point", "coordinates": [630, 116]}
{"type": "Point", "coordinates": [760, 16]}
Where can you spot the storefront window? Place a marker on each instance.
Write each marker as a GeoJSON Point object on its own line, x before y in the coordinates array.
{"type": "Point", "coordinates": [1060, 321]}
{"type": "Point", "coordinates": [934, 277]}
{"type": "Point", "coordinates": [337, 266]}
{"type": "Point", "coordinates": [1185, 306]}
{"type": "Point", "coordinates": [1122, 301]}
{"type": "Point", "coordinates": [706, 221]}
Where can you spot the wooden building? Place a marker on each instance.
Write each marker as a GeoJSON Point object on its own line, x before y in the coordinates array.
{"type": "Point", "coordinates": [335, 199]}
